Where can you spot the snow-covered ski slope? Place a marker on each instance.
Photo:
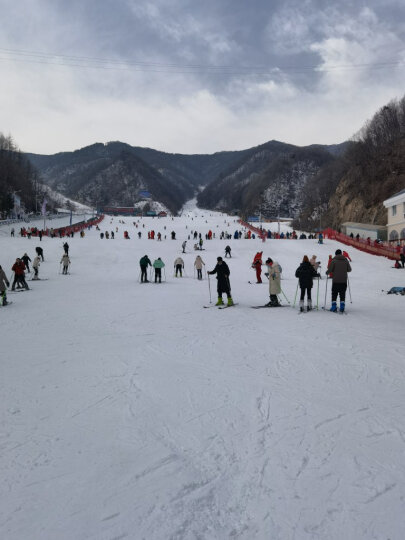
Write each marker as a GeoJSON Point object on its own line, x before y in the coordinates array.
{"type": "Point", "coordinates": [130, 412]}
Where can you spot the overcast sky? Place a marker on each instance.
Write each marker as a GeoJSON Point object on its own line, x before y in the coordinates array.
{"type": "Point", "coordinates": [194, 76]}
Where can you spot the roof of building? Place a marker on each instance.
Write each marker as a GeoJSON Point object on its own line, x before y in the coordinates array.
{"type": "Point", "coordinates": [393, 197]}
{"type": "Point", "coordinates": [365, 226]}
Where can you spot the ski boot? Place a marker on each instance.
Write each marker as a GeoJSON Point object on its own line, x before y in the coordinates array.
{"type": "Point", "coordinates": [220, 301]}
{"type": "Point", "coordinates": [274, 301]}
{"type": "Point", "coordinates": [230, 301]}
{"type": "Point", "coordinates": [302, 306]}
{"type": "Point", "coordinates": [333, 307]}
{"type": "Point", "coordinates": [309, 306]}
{"type": "Point", "coordinates": [342, 307]}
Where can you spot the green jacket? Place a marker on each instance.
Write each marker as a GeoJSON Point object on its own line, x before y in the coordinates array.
{"type": "Point", "coordinates": [158, 264]}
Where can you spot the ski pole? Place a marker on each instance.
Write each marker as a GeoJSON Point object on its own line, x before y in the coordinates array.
{"type": "Point", "coordinates": [295, 297]}
{"type": "Point", "coordinates": [282, 292]}
{"type": "Point", "coordinates": [209, 287]}
{"type": "Point", "coordinates": [164, 272]}
{"type": "Point", "coordinates": [326, 289]}
{"type": "Point", "coordinates": [317, 296]}
{"type": "Point", "coordinates": [139, 276]}
{"type": "Point", "coordinates": [350, 294]}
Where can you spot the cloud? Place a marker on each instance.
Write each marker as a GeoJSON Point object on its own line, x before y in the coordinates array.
{"type": "Point", "coordinates": [218, 76]}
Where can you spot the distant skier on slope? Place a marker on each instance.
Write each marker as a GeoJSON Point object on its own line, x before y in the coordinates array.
{"type": "Point", "coordinates": [66, 248]}
{"type": "Point", "coordinates": [65, 262]}
{"type": "Point", "coordinates": [306, 274]}
{"type": "Point", "coordinates": [144, 262]}
{"type": "Point", "coordinates": [198, 263]}
{"type": "Point", "coordinates": [19, 275]}
{"type": "Point", "coordinates": [339, 268]}
{"type": "Point", "coordinates": [35, 266]}
{"type": "Point", "coordinates": [223, 285]}
{"type": "Point", "coordinates": [274, 272]}
{"type": "Point", "coordinates": [158, 264]}
{"type": "Point", "coordinates": [257, 265]}
{"type": "Point", "coordinates": [179, 266]}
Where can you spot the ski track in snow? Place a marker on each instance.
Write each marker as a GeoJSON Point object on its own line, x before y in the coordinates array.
{"type": "Point", "coordinates": [128, 411]}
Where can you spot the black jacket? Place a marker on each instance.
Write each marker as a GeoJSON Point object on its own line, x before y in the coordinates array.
{"type": "Point", "coordinates": [222, 271]}
{"type": "Point", "coordinates": [306, 273]}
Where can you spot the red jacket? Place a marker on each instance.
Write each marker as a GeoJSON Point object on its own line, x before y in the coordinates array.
{"type": "Point", "coordinates": [18, 268]}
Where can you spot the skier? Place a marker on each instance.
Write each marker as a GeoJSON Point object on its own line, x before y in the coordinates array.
{"type": "Point", "coordinates": [228, 252]}
{"type": "Point", "coordinates": [306, 273]}
{"type": "Point", "coordinates": [26, 260]}
{"type": "Point", "coordinates": [158, 264]}
{"type": "Point", "coordinates": [40, 252]}
{"type": "Point", "coordinates": [183, 245]}
{"type": "Point", "coordinates": [35, 266]}
{"type": "Point", "coordinates": [345, 254]}
{"type": "Point", "coordinates": [4, 283]}
{"type": "Point", "coordinates": [339, 267]}
{"type": "Point", "coordinates": [200, 243]}
{"type": "Point", "coordinates": [179, 266]}
{"type": "Point", "coordinates": [198, 263]}
{"type": "Point", "coordinates": [402, 256]}
{"type": "Point", "coordinates": [65, 262]}
{"type": "Point", "coordinates": [19, 275]}
{"type": "Point", "coordinates": [274, 273]}
{"type": "Point", "coordinates": [316, 264]}
{"type": "Point", "coordinates": [257, 265]}
{"type": "Point", "coordinates": [66, 248]}
{"type": "Point", "coordinates": [223, 285]}
{"type": "Point", "coordinates": [144, 262]}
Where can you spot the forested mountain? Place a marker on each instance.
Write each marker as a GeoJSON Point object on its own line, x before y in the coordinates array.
{"type": "Point", "coordinates": [115, 173]}
{"type": "Point", "coordinates": [269, 180]}
{"type": "Point", "coordinates": [354, 186]}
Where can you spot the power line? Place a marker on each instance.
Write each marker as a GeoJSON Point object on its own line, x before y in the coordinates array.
{"type": "Point", "coordinates": [88, 62]}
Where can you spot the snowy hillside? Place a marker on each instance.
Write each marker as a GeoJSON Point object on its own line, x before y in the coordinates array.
{"type": "Point", "coordinates": [130, 412]}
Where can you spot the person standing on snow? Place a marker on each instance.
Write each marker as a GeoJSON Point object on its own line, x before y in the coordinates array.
{"type": "Point", "coordinates": [4, 283]}
{"type": "Point", "coordinates": [19, 275]}
{"type": "Point", "coordinates": [158, 264]}
{"type": "Point", "coordinates": [183, 245]}
{"type": "Point", "coordinates": [198, 263]}
{"type": "Point", "coordinates": [66, 248]}
{"type": "Point", "coordinates": [274, 273]}
{"type": "Point", "coordinates": [26, 260]}
{"type": "Point", "coordinates": [179, 266]}
{"type": "Point", "coordinates": [257, 265]}
{"type": "Point", "coordinates": [35, 266]}
{"type": "Point", "coordinates": [144, 262]}
{"type": "Point", "coordinates": [339, 268]}
{"type": "Point", "coordinates": [223, 285]}
{"type": "Point", "coordinates": [65, 262]}
{"type": "Point", "coordinates": [306, 273]}
{"type": "Point", "coordinates": [228, 252]}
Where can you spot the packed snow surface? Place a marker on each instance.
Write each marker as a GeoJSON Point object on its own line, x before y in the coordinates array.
{"type": "Point", "coordinates": [130, 412]}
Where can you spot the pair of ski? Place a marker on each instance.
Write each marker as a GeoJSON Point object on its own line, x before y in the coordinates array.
{"type": "Point", "coordinates": [18, 290]}
{"type": "Point", "coordinates": [222, 306]}
{"type": "Point", "coordinates": [337, 311]}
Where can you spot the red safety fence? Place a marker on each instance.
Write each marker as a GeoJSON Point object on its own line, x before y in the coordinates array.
{"type": "Point", "coordinates": [62, 231]}
{"type": "Point", "coordinates": [260, 232]}
{"type": "Point", "coordinates": [369, 246]}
